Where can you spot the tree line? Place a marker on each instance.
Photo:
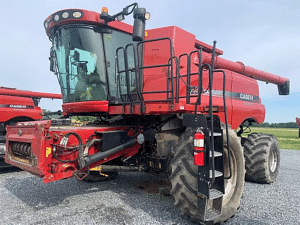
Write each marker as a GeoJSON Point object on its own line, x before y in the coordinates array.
{"type": "Point", "coordinates": [276, 125]}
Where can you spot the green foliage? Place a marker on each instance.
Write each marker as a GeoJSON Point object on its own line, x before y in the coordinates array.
{"type": "Point", "coordinates": [54, 116]}
{"type": "Point", "coordinates": [288, 138]}
{"type": "Point", "coordinates": [85, 118]}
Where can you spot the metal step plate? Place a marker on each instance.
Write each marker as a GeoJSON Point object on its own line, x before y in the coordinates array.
{"type": "Point", "coordinates": [216, 154]}
{"type": "Point", "coordinates": [211, 214]}
{"type": "Point", "coordinates": [217, 174]}
{"type": "Point", "coordinates": [215, 134]}
{"type": "Point", "coordinates": [213, 194]}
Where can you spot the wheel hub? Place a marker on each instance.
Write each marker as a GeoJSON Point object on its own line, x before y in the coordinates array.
{"type": "Point", "coordinates": [229, 183]}
{"type": "Point", "coordinates": [273, 160]}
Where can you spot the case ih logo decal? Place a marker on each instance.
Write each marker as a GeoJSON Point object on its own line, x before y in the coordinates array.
{"type": "Point", "coordinates": [17, 106]}
{"type": "Point", "coordinates": [229, 94]}
{"type": "Point", "coordinates": [246, 97]}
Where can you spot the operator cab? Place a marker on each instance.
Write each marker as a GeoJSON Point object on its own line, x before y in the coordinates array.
{"type": "Point", "coordinates": [83, 55]}
{"type": "Point", "coordinates": [86, 61]}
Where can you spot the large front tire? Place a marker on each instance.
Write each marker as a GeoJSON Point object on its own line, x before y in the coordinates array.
{"type": "Point", "coordinates": [183, 176]}
{"type": "Point", "coordinates": [262, 156]}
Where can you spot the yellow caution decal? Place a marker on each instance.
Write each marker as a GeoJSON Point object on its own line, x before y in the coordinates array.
{"type": "Point", "coordinates": [48, 151]}
{"type": "Point", "coordinates": [97, 168]}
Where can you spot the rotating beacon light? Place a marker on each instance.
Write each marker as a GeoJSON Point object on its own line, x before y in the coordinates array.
{"type": "Point", "coordinates": [199, 150]}
{"type": "Point", "coordinates": [104, 10]}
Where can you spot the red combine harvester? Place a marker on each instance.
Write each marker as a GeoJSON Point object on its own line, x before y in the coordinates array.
{"type": "Point", "coordinates": [163, 100]}
{"type": "Point", "coordinates": [17, 106]}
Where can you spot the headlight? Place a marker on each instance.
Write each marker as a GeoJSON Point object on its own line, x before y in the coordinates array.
{"type": "Point", "coordinates": [77, 14]}
{"type": "Point", "coordinates": [56, 17]}
{"type": "Point", "coordinates": [65, 15]}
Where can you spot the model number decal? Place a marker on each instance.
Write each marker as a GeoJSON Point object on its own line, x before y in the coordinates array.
{"type": "Point", "coordinates": [194, 91]}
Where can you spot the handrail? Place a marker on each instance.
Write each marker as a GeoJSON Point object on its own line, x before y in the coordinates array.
{"type": "Point", "coordinates": [226, 120]}
{"type": "Point", "coordinates": [141, 68]}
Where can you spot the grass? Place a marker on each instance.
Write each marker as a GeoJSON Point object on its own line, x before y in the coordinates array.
{"type": "Point", "coordinates": [288, 138]}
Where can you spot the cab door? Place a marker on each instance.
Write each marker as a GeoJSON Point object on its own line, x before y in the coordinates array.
{"type": "Point", "coordinates": [120, 60]}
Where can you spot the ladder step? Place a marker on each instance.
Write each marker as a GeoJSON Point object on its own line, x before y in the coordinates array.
{"type": "Point", "coordinates": [213, 194]}
{"type": "Point", "coordinates": [216, 154]}
{"type": "Point", "coordinates": [211, 214]}
{"type": "Point", "coordinates": [217, 174]}
{"type": "Point", "coordinates": [215, 134]}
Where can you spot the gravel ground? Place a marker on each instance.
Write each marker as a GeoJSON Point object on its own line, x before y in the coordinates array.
{"type": "Point", "coordinates": [131, 199]}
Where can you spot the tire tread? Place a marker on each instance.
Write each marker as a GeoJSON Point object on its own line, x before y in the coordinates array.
{"type": "Point", "coordinates": [257, 148]}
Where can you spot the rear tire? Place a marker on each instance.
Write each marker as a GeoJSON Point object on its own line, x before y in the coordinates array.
{"type": "Point", "coordinates": [262, 156]}
{"type": "Point", "coordinates": [183, 176]}
{"type": "Point", "coordinates": [95, 176]}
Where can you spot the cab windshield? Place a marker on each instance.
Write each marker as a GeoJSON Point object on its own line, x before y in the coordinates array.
{"type": "Point", "coordinates": [85, 58]}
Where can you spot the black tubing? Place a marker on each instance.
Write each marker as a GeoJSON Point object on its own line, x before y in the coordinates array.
{"type": "Point", "coordinates": [112, 168]}
{"type": "Point", "coordinates": [101, 155]}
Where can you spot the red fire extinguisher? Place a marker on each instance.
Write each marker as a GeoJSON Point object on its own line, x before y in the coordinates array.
{"type": "Point", "coordinates": [199, 156]}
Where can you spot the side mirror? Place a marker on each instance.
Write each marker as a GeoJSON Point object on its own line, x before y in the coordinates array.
{"type": "Point", "coordinates": [129, 9]}
{"type": "Point", "coordinates": [126, 11]}
{"type": "Point", "coordinates": [139, 24]}
{"type": "Point", "coordinates": [120, 17]}
{"type": "Point", "coordinates": [139, 14]}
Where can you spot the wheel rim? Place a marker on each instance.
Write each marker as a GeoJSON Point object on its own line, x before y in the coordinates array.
{"type": "Point", "coordinates": [273, 160]}
{"type": "Point", "coordinates": [230, 184]}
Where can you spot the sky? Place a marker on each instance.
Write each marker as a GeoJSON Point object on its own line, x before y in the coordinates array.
{"type": "Point", "coordinates": [261, 34]}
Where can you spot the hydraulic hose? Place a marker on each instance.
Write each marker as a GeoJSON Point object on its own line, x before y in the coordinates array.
{"type": "Point", "coordinates": [80, 154]}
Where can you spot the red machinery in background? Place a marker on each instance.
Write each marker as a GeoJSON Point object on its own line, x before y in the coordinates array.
{"type": "Point", "coordinates": [16, 106]}
{"type": "Point", "coordinates": [163, 101]}
{"type": "Point", "coordinates": [298, 123]}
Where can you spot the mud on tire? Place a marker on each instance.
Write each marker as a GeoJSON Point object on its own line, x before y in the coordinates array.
{"type": "Point", "coordinates": [183, 177]}
{"type": "Point", "coordinates": [262, 157]}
